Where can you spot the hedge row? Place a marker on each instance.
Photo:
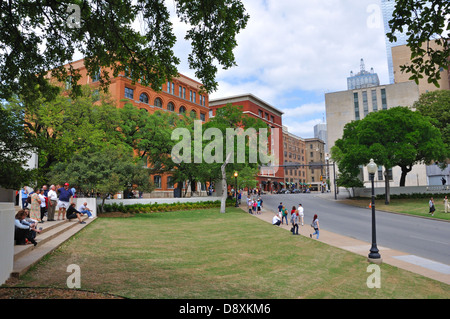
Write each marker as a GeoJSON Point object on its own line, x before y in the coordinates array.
{"type": "Point", "coordinates": [413, 196]}
{"type": "Point", "coordinates": [153, 208]}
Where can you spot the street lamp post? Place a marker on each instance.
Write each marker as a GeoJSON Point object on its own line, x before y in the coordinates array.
{"type": "Point", "coordinates": [236, 190]}
{"type": "Point", "coordinates": [374, 255]}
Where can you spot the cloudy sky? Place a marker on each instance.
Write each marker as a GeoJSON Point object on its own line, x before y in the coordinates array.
{"type": "Point", "coordinates": [292, 52]}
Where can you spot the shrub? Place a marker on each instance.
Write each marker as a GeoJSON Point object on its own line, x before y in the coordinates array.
{"type": "Point", "coordinates": [164, 207]}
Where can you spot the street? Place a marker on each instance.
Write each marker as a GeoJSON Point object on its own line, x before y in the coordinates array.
{"type": "Point", "coordinates": [414, 235]}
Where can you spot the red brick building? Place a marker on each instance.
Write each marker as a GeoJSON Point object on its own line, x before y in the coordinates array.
{"type": "Point", "coordinates": [182, 96]}
{"type": "Point", "coordinates": [269, 178]}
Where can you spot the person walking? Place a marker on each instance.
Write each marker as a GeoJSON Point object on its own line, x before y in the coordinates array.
{"type": "Point", "coordinates": [446, 204]}
{"type": "Point", "coordinates": [24, 195]}
{"type": "Point", "coordinates": [431, 205]}
{"type": "Point", "coordinates": [249, 204]}
{"type": "Point", "coordinates": [284, 214]}
{"type": "Point", "coordinates": [300, 213]}
{"type": "Point", "coordinates": [294, 220]}
{"type": "Point", "coordinates": [315, 225]}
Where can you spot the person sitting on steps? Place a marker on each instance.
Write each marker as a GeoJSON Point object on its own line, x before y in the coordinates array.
{"type": "Point", "coordinates": [23, 232]}
{"type": "Point", "coordinates": [72, 213]}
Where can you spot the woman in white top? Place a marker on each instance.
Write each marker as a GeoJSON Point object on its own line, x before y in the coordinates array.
{"type": "Point", "coordinates": [315, 225]}
{"type": "Point", "coordinates": [43, 205]}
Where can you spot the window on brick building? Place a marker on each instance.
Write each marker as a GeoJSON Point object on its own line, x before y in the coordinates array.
{"type": "Point", "coordinates": [129, 93]}
{"type": "Point", "coordinates": [158, 102]}
{"type": "Point", "coordinates": [171, 106]}
{"type": "Point", "coordinates": [182, 110]}
{"type": "Point", "coordinates": [170, 182]}
{"type": "Point", "coordinates": [143, 98]}
{"type": "Point", "coordinates": [157, 181]}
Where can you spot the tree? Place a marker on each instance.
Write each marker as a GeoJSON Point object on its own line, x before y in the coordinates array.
{"type": "Point", "coordinates": [424, 21]}
{"type": "Point", "coordinates": [231, 117]}
{"type": "Point", "coordinates": [436, 105]}
{"type": "Point", "coordinates": [57, 128]}
{"type": "Point", "coordinates": [106, 171]}
{"type": "Point", "coordinates": [14, 149]}
{"type": "Point", "coordinates": [38, 36]}
{"type": "Point", "coordinates": [394, 137]}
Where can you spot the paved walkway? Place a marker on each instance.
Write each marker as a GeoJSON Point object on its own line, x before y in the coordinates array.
{"type": "Point", "coordinates": [422, 266]}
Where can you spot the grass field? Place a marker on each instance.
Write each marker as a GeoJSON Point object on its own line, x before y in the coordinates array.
{"type": "Point", "coordinates": [418, 207]}
{"type": "Point", "coordinates": [205, 254]}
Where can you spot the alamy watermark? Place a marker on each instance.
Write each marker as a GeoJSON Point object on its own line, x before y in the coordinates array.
{"type": "Point", "coordinates": [74, 280]}
{"type": "Point", "coordinates": [374, 20]}
{"type": "Point", "coordinates": [374, 280]}
{"type": "Point", "coordinates": [74, 19]}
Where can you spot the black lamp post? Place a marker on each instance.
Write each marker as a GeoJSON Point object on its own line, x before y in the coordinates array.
{"type": "Point", "coordinates": [374, 255]}
{"type": "Point", "coordinates": [236, 190]}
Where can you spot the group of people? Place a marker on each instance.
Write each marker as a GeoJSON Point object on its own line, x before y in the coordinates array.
{"type": "Point", "coordinates": [297, 217]}
{"type": "Point", "coordinates": [254, 205]}
{"type": "Point", "coordinates": [43, 202]}
{"type": "Point", "coordinates": [433, 208]}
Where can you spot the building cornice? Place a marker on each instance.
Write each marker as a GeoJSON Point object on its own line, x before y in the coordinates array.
{"type": "Point", "coordinates": [243, 97]}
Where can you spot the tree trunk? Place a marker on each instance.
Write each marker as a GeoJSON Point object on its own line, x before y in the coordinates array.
{"type": "Point", "coordinates": [405, 171]}
{"type": "Point", "coordinates": [224, 184]}
{"type": "Point", "coordinates": [387, 190]}
{"type": "Point", "coordinates": [103, 202]}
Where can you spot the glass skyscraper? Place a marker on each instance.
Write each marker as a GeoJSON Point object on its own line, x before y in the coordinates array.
{"type": "Point", "coordinates": [387, 8]}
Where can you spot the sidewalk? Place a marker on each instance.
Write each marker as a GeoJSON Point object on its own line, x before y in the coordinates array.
{"type": "Point", "coordinates": [421, 266]}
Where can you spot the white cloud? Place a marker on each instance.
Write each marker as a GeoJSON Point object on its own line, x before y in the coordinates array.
{"type": "Point", "coordinates": [294, 51]}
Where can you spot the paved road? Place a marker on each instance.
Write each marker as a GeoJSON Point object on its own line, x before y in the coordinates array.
{"type": "Point", "coordinates": [417, 236]}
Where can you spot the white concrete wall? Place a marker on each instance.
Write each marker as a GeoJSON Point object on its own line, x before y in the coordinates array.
{"type": "Point", "coordinates": [7, 213]}
{"type": "Point", "coordinates": [367, 192]}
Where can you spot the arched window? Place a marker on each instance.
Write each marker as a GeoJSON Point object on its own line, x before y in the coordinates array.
{"type": "Point", "coordinates": [143, 98]}
{"type": "Point", "coordinates": [171, 107]}
{"type": "Point", "coordinates": [158, 102]}
{"type": "Point", "coordinates": [182, 110]}
{"type": "Point", "coordinates": [193, 114]}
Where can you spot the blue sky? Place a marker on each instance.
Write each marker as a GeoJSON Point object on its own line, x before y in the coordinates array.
{"type": "Point", "coordinates": [292, 52]}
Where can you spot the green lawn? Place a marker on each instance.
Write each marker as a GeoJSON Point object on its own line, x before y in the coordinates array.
{"type": "Point", "coordinates": [205, 254]}
{"type": "Point", "coordinates": [418, 207]}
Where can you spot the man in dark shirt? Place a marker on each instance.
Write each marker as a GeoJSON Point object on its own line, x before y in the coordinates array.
{"type": "Point", "coordinates": [72, 213]}
{"type": "Point", "coordinates": [65, 196]}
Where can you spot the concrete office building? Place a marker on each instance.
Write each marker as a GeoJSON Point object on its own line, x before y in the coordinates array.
{"type": "Point", "coordinates": [401, 55]}
{"type": "Point", "coordinates": [346, 106]}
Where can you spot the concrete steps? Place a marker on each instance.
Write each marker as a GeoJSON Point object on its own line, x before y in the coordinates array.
{"type": "Point", "coordinates": [53, 234]}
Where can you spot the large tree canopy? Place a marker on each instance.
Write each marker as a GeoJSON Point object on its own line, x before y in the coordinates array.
{"type": "Point", "coordinates": [38, 36]}
{"type": "Point", "coordinates": [423, 21]}
{"type": "Point", "coordinates": [394, 137]}
{"type": "Point", "coordinates": [436, 105]}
